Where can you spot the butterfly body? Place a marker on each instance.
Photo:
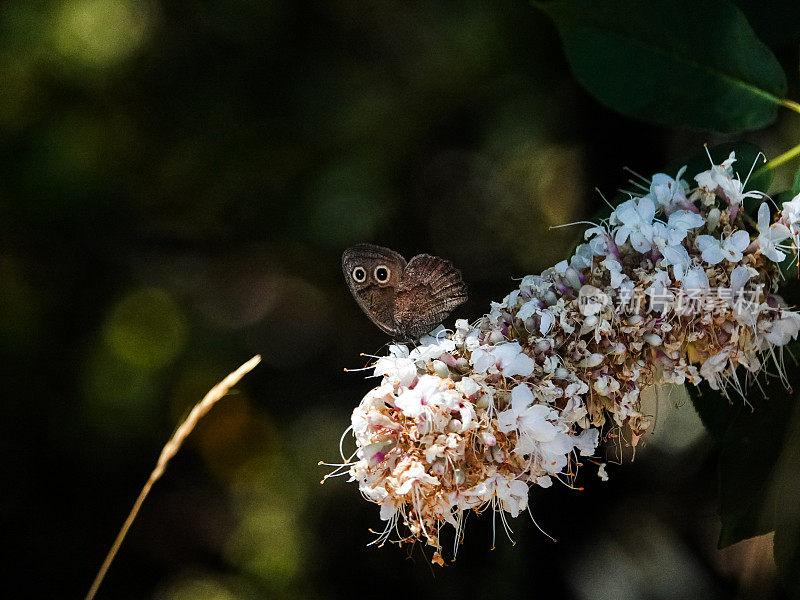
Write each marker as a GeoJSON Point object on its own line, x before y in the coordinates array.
{"type": "Point", "coordinates": [404, 299]}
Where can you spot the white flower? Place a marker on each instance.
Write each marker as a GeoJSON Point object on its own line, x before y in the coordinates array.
{"type": "Point", "coordinates": [592, 300]}
{"type": "Point", "coordinates": [468, 386]}
{"type": "Point", "coordinates": [668, 193]}
{"type": "Point", "coordinates": [615, 269]}
{"type": "Point", "coordinates": [716, 250]}
{"type": "Point", "coordinates": [637, 223]}
{"type": "Point", "coordinates": [784, 329]}
{"type": "Point", "coordinates": [376, 452]}
{"type": "Point", "coordinates": [678, 257]}
{"type": "Point", "coordinates": [677, 228]}
{"type": "Point", "coordinates": [586, 442]}
{"type": "Point", "coordinates": [534, 307]}
{"type": "Point", "coordinates": [582, 257]}
{"type": "Point", "coordinates": [769, 236]}
{"type": "Point", "coordinates": [711, 179]}
{"type": "Point", "coordinates": [509, 359]}
{"type": "Point", "coordinates": [720, 180]}
{"type": "Point", "coordinates": [695, 279]}
{"type": "Point", "coordinates": [482, 359]}
{"type": "Point", "coordinates": [739, 277]}
{"type": "Point", "coordinates": [712, 219]}
{"type": "Point", "coordinates": [511, 493]}
{"type": "Point", "coordinates": [660, 296]}
{"type": "Point", "coordinates": [417, 401]}
{"type": "Point", "coordinates": [599, 240]}
{"type": "Point", "coordinates": [714, 365]}
{"type": "Point", "coordinates": [388, 509]}
{"type": "Point", "coordinates": [527, 417]}
{"type": "Point", "coordinates": [553, 455]}
{"type": "Point", "coordinates": [411, 473]}
{"type": "Point", "coordinates": [791, 210]}
{"type": "Point", "coordinates": [466, 335]}
{"type": "Point", "coordinates": [402, 371]}
{"type": "Point", "coordinates": [790, 216]}
{"type": "Point", "coordinates": [605, 385]}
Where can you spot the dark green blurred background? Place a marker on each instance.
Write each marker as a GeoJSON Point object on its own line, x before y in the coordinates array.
{"type": "Point", "coordinates": [178, 181]}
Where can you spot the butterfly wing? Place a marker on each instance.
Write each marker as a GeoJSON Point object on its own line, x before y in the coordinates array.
{"type": "Point", "coordinates": [376, 298]}
{"type": "Point", "coordinates": [430, 288]}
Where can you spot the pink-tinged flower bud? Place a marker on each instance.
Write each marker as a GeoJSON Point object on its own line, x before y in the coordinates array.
{"type": "Point", "coordinates": [460, 476]}
{"type": "Point", "coordinates": [376, 453]}
{"type": "Point", "coordinates": [441, 369]}
{"type": "Point", "coordinates": [574, 277]}
{"type": "Point", "coordinates": [487, 438]}
{"type": "Point", "coordinates": [653, 339]}
{"type": "Point", "coordinates": [591, 361]}
{"type": "Point", "coordinates": [498, 455]}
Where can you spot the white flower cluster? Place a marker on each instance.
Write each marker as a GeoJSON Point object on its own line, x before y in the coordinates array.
{"type": "Point", "coordinates": [472, 418]}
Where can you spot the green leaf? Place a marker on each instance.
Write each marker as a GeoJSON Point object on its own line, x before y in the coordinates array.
{"type": "Point", "coordinates": [796, 184]}
{"type": "Point", "coordinates": [786, 494]}
{"type": "Point", "coordinates": [671, 62]}
{"type": "Point", "coordinates": [748, 447]}
{"type": "Point", "coordinates": [748, 453]}
{"type": "Point", "coordinates": [714, 411]}
{"type": "Point", "coordinates": [777, 26]}
{"type": "Point", "coordinates": [751, 442]}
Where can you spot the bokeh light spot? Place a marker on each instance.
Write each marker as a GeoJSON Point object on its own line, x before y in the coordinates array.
{"type": "Point", "coordinates": [146, 329]}
{"type": "Point", "coordinates": [266, 545]}
{"type": "Point", "coordinates": [197, 588]}
{"type": "Point", "coordinates": [100, 33]}
{"type": "Point", "coordinates": [121, 400]}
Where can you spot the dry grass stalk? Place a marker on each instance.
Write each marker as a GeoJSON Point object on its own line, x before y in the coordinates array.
{"type": "Point", "coordinates": [170, 450]}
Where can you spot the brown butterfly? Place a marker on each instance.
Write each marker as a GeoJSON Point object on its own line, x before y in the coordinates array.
{"type": "Point", "coordinates": [406, 300]}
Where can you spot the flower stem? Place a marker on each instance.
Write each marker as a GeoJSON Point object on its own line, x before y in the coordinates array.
{"type": "Point", "coordinates": [789, 154]}
{"type": "Point", "coordinates": [779, 160]}
{"type": "Point", "coordinates": [790, 104]}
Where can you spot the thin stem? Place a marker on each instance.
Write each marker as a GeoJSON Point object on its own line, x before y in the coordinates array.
{"type": "Point", "coordinates": [790, 104]}
{"type": "Point", "coordinates": [779, 160]}
{"type": "Point", "coordinates": [789, 154]}
{"type": "Point", "coordinates": [170, 450]}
